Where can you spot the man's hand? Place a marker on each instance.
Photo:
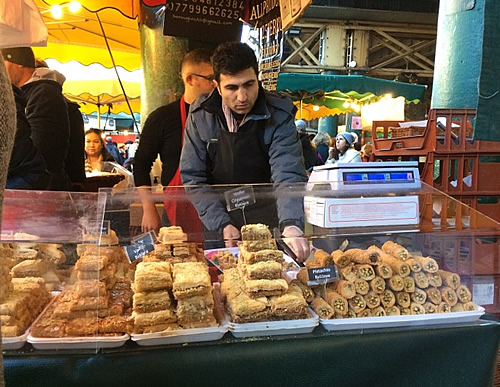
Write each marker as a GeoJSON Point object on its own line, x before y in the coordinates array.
{"type": "Point", "coordinates": [150, 218]}
{"type": "Point", "coordinates": [231, 235]}
{"type": "Point", "coordinates": [294, 238]}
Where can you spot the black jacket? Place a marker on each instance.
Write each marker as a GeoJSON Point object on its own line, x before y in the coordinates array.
{"type": "Point", "coordinates": [161, 135]}
{"type": "Point", "coordinates": [47, 114]}
{"type": "Point", "coordinates": [25, 158]}
{"type": "Point", "coordinates": [75, 159]}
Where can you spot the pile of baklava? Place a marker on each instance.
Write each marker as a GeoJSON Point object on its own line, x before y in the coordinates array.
{"type": "Point", "coordinates": [97, 302]}
{"type": "Point", "coordinates": [170, 297]}
{"type": "Point", "coordinates": [255, 290]}
{"type": "Point", "coordinates": [23, 290]}
{"type": "Point", "coordinates": [385, 281]}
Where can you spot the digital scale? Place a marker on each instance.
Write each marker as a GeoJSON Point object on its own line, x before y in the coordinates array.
{"type": "Point", "coordinates": [363, 194]}
{"type": "Point", "coordinates": [347, 178]}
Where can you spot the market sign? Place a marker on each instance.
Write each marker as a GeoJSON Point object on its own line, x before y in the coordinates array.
{"type": "Point", "coordinates": [291, 10]}
{"type": "Point", "coordinates": [204, 20]}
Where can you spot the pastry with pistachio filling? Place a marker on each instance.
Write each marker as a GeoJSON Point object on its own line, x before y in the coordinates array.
{"type": "Point", "coordinates": [396, 250]}
{"type": "Point", "coordinates": [322, 308]}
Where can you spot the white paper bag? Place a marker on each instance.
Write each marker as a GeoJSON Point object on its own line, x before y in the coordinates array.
{"type": "Point", "coordinates": [21, 24]}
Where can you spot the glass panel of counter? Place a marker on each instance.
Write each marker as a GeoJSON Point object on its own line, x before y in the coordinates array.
{"type": "Point", "coordinates": [421, 220]}
{"type": "Point", "coordinates": [62, 272]}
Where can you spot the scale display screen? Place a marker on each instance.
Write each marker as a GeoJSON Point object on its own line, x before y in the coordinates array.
{"type": "Point", "coordinates": [378, 177]}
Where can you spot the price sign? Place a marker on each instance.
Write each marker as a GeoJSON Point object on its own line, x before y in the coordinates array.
{"type": "Point", "coordinates": [239, 198]}
{"type": "Point", "coordinates": [321, 275]}
{"type": "Point", "coordinates": [148, 238]}
{"type": "Point", "coordinates": [136, 251]}
{"type": "Point", "coordinates": [205, 20]}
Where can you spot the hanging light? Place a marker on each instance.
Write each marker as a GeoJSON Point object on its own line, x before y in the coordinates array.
{"type": "Point", "coordinates": [315, 108]}
{"type": "Point", "coordinates": [74, 6]}
{"type": "Point", "coordinates": [56, 11]}
{"type": "Point", "coordinates": [346, 104]}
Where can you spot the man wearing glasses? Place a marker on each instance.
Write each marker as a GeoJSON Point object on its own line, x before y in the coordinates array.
{"type": "Point", "coordinates": [242, 134]}
{"type": "Point", "coordinates": [163, 134]}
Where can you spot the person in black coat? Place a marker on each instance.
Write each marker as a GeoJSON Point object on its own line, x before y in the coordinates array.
{"type": "Point", "coordinates": [27, 167]}
{"type": "Point", "coordinates": [46, 111]}
{"type": "Point", "coordinates": [308, 149]}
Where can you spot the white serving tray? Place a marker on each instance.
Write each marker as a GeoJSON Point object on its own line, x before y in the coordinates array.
{"type": "Point", "coordinates": [274, 328]}
{"type": "Point", "coordinates": [17, 342]}
{"type": "Point", "coordinates": [89, 342]}
{"type": "Point", "coordinates": [181, 336]}
{"type": "Point", "coordinates": [234, 250]}
{"type": "Point", "coordinates": [401, 321]}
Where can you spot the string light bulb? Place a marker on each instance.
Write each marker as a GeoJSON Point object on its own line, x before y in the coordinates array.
{"type": "Point", "coordinates": [56, 11]}
{"type": "Point", "coordinates": [74, 6]}
{"type": "Point", "coordinates": [315, 108]}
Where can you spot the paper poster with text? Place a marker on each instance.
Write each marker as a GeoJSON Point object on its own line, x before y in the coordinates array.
{"type": "Point", "coordinates": [204, 20]}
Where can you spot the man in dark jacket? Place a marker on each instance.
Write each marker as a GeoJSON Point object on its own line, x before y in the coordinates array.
{"type": "Point", "coordinates": [242, 134]}
{"type": "Point", "coordinates": [27, 166]}
{"type": "Point", "coordinates": [46, 111]}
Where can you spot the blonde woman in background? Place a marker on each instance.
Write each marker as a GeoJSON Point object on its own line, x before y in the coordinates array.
{"type": "Point", "coordinates": [322, 142]}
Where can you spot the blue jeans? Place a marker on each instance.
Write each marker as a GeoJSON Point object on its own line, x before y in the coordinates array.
{"type": "Point", "coordinates": [33, 181]}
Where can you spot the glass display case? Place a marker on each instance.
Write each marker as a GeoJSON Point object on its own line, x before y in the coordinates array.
{"type": "Point", "coordinates": [110, 281]}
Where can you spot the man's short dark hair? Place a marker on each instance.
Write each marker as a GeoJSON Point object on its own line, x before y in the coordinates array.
{"type": "Point", "coordinates": [196, 56]}
{"type": "Point", "coordinates": [233, 57]}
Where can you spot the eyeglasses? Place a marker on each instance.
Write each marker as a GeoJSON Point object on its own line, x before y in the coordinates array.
{"type": "Point", "coordinates": [209, 78]}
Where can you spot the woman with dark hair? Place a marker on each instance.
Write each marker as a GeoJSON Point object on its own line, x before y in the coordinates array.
{"type": "Point", "coordinates": [95, 151]}
{"type": "Point", "coordinates": [344, 144]}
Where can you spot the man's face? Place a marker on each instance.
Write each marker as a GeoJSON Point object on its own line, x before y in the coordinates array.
{"type": "Point", "coordinates": [14, 71]}
{"type": "Point", "coordinates": [239, 91]}
{"type": "Point", "coordinates": [203, 85]}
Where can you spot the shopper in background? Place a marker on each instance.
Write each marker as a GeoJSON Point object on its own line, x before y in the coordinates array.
{"type": "Point", "coordinates": [242, 134]}
{"type": "Point", "coordinates": [344, 144]}
{"type": "Point", "coordinates": [46, 110]}
{"type": "Point", "coordinates": [27, 166]}
{"type": "Point", "coordinates": [163, 134]}
{"type": "Point", "coordinates": [112, 148]}
{"type": "Point", "coordinates": [74, 163]}
{"type": "Point", "coordinates": [322, 142]}
{"type": "Point", "coordinates": [95, 151]}
{"type": "Point", "coordinates": [308, 149]}
{"type": "Point", "coordinates": [367, 152]}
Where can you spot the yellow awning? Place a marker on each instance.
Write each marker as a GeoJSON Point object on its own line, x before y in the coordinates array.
{"type": "Point", "coordinates": [92, 104]}
{"type": "Point", "coordinates": [311, 112]}
{"type": "Point", "coordinates": [65, 52]}
{"type": "Point", "coordinates": [81, 31]}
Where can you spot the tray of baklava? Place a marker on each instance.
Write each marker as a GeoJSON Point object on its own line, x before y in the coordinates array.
{"type": "Point", "coordinates": [175, 304]}
{"type": "Point", "coordinates": [94, 311]}
{"type": "Point", "coordinates": [65, 325]}
{"type": "Point", "coordinates": [25, 299]}
{"type": "Point", "coordinates": [388, 287]}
